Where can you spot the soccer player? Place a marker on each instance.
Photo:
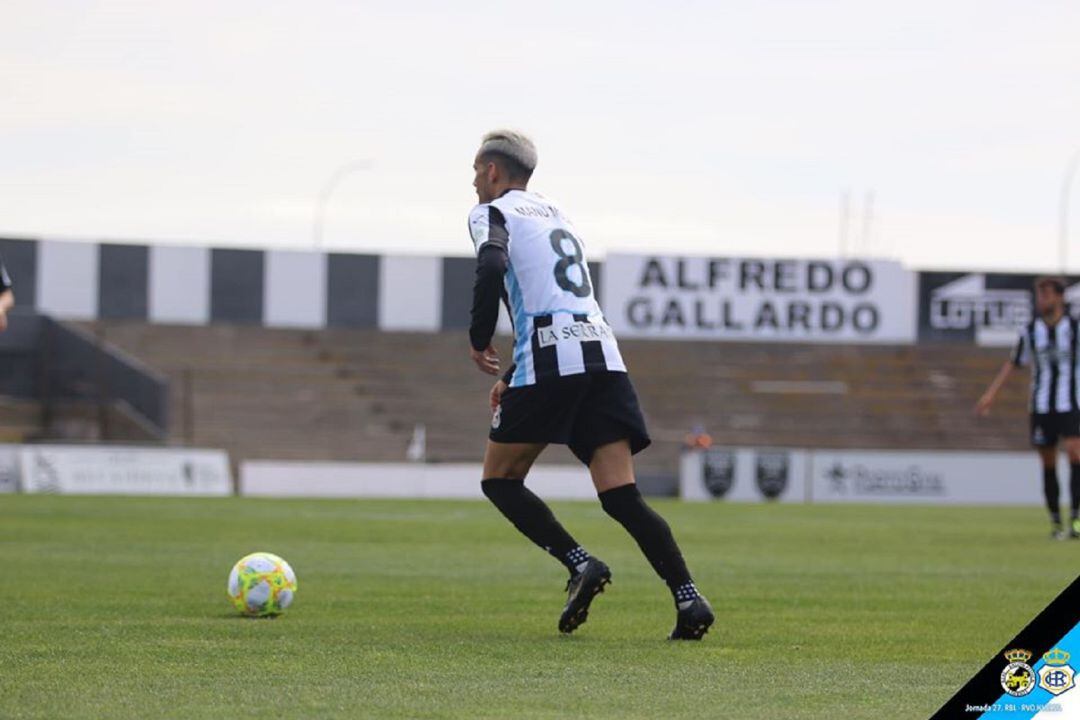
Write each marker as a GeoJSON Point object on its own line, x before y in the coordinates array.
{"type": "Point", "coordinates": [1049, 344]}
{"type": "Point", "coordinates": [567, 384]}
{"type": "Point", "coordinates": [7, 296]}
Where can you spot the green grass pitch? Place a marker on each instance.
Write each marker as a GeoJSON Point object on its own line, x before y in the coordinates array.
{"type": "Point", "coordinates": [116, 608]}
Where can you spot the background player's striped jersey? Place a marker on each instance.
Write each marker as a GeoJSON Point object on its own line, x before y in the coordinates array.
{"type": "Point", "coordinates": [558, 326]}
{"type": "Point", "coordinates": [1052, 352]}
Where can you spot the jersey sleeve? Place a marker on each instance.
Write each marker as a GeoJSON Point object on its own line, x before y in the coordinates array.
{"type": "Point", "coordinates": [5, 279]}
{"type": "Point", "coordinates": [487, 292]}
{"type": "Point", "coordinates": [1022, 352]}
{"type": "Point", "coordinates": [487, 225]}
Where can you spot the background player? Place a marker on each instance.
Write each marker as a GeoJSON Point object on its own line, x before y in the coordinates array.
{"type": "Point", "coordinates": [7, 296]}
{"type": "Point", "coordinates": [567, 384]}
{"type": "Point", "coordinates": [1049, 344]}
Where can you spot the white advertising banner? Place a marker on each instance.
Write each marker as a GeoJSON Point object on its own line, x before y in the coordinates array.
{"type": "Point", "coordinates": [273, 478]}
{"type": "Point", "coordinates": [760, 300]}
{"type": "Point", "coordinates": [939, 478]}
{"type": "Point", "coordinates": [105, 470]}
{"type": "Point", "coordinates": [9, 468]}
{"type": "Point", "coordinates": [743, 475]}
{"type": "Point", "coordinates": [870, 476]}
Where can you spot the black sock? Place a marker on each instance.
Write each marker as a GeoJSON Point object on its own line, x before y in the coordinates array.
{"type": "Point", "coordinates": [653, 536]}
{"type": "Point", "coordinates": [1052, 493]}
{"type": "Point", "coordinates": [534, 519]}
{"type": "Point", "coordinates": [1074, 489]}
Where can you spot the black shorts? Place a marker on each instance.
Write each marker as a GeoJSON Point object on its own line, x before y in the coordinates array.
{"type": "Point", "coordinates": [1048, 428]}
{"type": "Point", "coordinates": [582, 412]}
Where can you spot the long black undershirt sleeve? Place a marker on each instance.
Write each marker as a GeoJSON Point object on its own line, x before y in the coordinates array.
{"type": "Point", "coordinates": [509, 373]}
{"type": "Point", "coordinates": [487, 293]}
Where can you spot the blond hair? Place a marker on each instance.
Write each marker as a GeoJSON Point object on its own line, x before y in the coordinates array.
{"type": "Point", "coordinates": [511, 144]}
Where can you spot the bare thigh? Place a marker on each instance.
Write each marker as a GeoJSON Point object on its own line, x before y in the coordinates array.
{"type": "Point", "coordinates": [510, 460]}
{"type": "Point", "coordinates": [612, 466]}
{"type": "Point", "coordinates": [1072, 447]}
{"type": "Point", "coordinates": [1048, 456]}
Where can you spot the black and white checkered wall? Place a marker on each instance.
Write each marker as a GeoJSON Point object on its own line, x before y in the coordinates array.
{"type": "Point", "coordinates": [276, 288]}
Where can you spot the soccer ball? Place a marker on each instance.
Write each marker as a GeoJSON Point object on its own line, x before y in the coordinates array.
{"type": "Point", "coordinates": [262, 584]}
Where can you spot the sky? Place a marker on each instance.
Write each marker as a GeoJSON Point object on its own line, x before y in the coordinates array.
{"type": "Point", "coordinates": [741, 127]}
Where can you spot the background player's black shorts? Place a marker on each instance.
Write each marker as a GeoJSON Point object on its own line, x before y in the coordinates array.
{"type": "Point", "coordinates": [582, 412]}
{"type": "Point", "coordinates": [1048, 428]}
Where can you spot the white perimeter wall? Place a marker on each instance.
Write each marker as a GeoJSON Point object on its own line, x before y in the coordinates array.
{"type": "Point", "coordinates": [398, 480]}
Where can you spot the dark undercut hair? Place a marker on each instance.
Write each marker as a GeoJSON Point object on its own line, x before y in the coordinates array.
{"type": "Point", "coordinates": [514, 170]}
{"type": "Point", "coordinates": [1053, 282]}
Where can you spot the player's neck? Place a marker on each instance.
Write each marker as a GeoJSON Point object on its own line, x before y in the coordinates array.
{"type": "Point", "coordinates": [1053, 317]}
{"type": "Point", "coordinates": [508, 188]}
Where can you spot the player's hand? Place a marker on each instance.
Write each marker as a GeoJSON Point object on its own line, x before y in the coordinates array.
{"type": "Point", "coordinates": [496, 393]}
{"type": "Point", "coordinates": [486, 360]}
{"type": "Point", "coordinates": [982, 408]}
{"type": "Point", "coordinates": [3, 320]}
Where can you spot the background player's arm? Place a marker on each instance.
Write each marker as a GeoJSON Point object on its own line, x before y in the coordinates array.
{"type": "Point", "coordinates": [982, 407]}
{"type": "Point", "coordinates": [7, 297]}
{"type": "Point", "coordinates": [1019, 358]}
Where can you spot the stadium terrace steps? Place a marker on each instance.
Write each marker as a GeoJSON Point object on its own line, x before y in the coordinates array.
{"type": "Point", "coordinates": [20, 420]}
{"type": "Point", "coordinates": [357, 395]}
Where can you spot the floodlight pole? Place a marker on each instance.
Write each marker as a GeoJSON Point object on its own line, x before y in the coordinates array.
{"type": "Point", "coordinates": [845, 223]}
{"type": "Point", "coordinates": [1063, 211]}
{"type": "Point", "coordinates": [324, 197]}
{"type": "Point", "coordinates": [867, 222]}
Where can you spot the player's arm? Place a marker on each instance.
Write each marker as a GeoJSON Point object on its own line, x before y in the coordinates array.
{"type": "Point", "coordinates": [982, 407]}
{"type": "Point", "coordinates": [487, 293]}
{"type": "Point", "coordinates": [7, 297]}
{"type": "Point", "coordinates": [1018, 359]}
{"type": "Point", "coordinates": [488, 229]}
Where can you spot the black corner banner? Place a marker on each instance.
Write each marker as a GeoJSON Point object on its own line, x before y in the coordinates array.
{"type": "Point", "coordinates": [979, 308]}
{"type": "Point", "coordinates": [1032, 676]}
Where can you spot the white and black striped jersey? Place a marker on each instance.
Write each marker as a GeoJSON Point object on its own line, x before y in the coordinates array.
{"type": "Point", "coordinates": [558, 327]}
{"type": "Point", "coordinates": [1051, 350]}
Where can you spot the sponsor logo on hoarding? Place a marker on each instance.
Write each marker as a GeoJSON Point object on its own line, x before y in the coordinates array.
{"type": "Point", "coordinates": [125, 470]}
{"type": "Point", "coordinates": [719, 471]}
{"type": "Point", "coordinates": [772, 471]}
{"type": "Point", "coordinates": [987, 308]}
{"type": "Point", "coordinates": [966, 303]}
{"type": "Point", "coordinates": [42, 475]}
{"type": "Point", "coordinates": [859, 479]}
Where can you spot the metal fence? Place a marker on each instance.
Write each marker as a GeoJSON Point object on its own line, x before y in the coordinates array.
{"type": "Point", "coordinates": [55, 363]}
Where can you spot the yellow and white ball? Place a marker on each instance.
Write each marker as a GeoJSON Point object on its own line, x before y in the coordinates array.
{"type": "Point", "coordinates": [262, 584]}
